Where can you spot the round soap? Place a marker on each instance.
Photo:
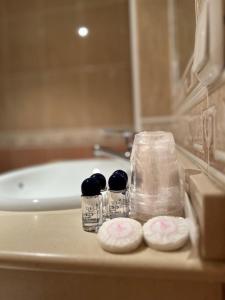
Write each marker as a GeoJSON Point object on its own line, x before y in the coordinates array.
{"type": "Point", "coordinates": [120, 235]}
{"type": "Point", "coordinates": [166, 233]}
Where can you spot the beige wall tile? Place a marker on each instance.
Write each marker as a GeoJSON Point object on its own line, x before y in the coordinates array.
{"type": "Point", "coordinates": [50, 78]}
{"type": "Point", "coordinates": [24, 44]}
{"type": "Point", "coordinates": [217, 127]}
{"type": "Point", "coordinates": [64, 99]}
{"type": "Point", "coordinates": [201, 129]}
{"type": "Point", "coordinates": [154, 57]}
{"type": "Point", "coordinates": [12, 159]}
{"type": "Point", "coordinates": [3, 47]}
{"type": "Point", "coordinates": [20, 7]}
{"type": "Point", "coordinates": [185, 32]}
{"type": "Point", "coordinates": [109, 86]}
{"type": "Point", "coordinates": [188, 130]}
{"type": "Point", "coordinates": [22, 103]}
{"type": "Point", "coordinates": [88, 98]}
{"type": "Point", "coordinates": [3, 9]}
{"type": "Point", "coordinates": [2, 39]}
{"type": "Point", "coordinates": [107, 42]}
{"type": "Point", "coordinates": [68, 98]}
{"type": "Point", "coordinates": [217, 100]}
{"type": "Point", "coordinates": [58, 4]}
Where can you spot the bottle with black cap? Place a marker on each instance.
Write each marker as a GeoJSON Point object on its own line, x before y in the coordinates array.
{"type": "Point", "coordinates": [117, 195]}
{"type": "Point", "coordinates": [102, 181]}
{"type": "Point", "coordinates": [126, 203]}
{"type": "Point", "coordinates": [91, 200]}
{"type": "Point", "coordinates": [122, 173]}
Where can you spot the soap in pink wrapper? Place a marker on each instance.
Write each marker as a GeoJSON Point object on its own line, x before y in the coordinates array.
{"type": "Point", "coordinates": [155, 186]}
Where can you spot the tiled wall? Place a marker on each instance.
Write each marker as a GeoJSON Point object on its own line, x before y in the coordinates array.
{"type": "Point", "coordinates": [217, 148]}
{"type": "Point", "coordinates": [57, 90]}
{"type": "Point", "coordinates": [52, 78]}
{"type": "Point", "coordinates": [184, 14]}
{"type": "Point", "coordinates": [153, 38]}
{"type": "Point", "coordinates": [198, 124]}
{"type": "Point", "coordinates": [201, 130]}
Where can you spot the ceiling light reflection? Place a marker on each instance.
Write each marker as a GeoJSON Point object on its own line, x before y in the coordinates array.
{"type": "Point", "coordinates": [83, 31]}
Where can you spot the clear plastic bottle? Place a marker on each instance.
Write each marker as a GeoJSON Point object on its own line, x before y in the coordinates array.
{"type": "Point", "coordinates": [118, 197]}
{"type": "Point", "coordinates": [91, 200]}
{"type": "Point", "coordinates": [117, 200]}
{"type": "Point", "coordinates": [102, 181]}
{"type": "Point", "coordinates": [126, 201]}
{"type": "Point", "coordinates": [91, 212]}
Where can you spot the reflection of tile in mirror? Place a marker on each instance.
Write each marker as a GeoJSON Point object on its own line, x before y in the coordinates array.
{"type": "Point", "coordinates": [52, 77]}
{"type": "Point", "coordinates": [154, 58]}
{"type": "Point", "coordinates": [184, 32]}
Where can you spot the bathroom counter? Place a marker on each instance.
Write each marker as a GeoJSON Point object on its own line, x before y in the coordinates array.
{"type": "Point", "coordinates": [56, 241]}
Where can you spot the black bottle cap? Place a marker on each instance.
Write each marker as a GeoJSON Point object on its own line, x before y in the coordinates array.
{"type": "Point", "coordinates": [117, 182]}
{"type": "Point", "coordinates": [101, 179]}
{"type": "Point", "coordinates": [122, 173]}
{"type": "Point", "coordinates": [90, 187]}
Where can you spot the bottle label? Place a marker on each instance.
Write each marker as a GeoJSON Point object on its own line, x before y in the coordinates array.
{"type": "Point", "coordinates": [91, 212]}
{"type": "Point", "coordinates": [116, 205]}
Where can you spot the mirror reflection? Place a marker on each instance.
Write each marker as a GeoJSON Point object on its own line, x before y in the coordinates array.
{"type": "Point", "coordinates": [69, 76]}
{"type": "Point", "coordinates": [184, 25]}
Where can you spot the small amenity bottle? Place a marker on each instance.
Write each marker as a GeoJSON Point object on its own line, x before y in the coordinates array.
{"type": "Point", "coordinates": [127, 198]}
{"type": "Point", "coordinates": [102, 181]}
{"type": "Point", "coordinates": [91, 201]}
{"type": "Point", "coordinates": [117, 196]}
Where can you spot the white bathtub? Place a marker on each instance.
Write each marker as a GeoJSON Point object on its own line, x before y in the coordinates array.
{"type": "Point", "coordinates": [51, 186]}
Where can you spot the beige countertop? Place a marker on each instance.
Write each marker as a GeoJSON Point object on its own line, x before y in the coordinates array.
{"type": "Point", "coordinates": [56, 241]}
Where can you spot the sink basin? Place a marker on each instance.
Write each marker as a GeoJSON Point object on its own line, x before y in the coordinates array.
{"type": "Point", "coordinates": [51, 186]}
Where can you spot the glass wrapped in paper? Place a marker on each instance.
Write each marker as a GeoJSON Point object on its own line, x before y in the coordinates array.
{"type": "Point", "coordinates": [155, 186]}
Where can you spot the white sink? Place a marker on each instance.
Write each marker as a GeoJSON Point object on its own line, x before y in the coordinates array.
{"type": "Point", "coordinates": [51, 186]}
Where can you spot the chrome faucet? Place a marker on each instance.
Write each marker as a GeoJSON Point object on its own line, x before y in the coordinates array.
{"type": "Point", "coordinates": [128, 136]}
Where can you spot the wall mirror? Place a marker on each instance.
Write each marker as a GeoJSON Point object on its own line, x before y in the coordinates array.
{"type": "Point", "coordinates": [197, 44]}
{"type": "Point", "coordinates": [184, 34]}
